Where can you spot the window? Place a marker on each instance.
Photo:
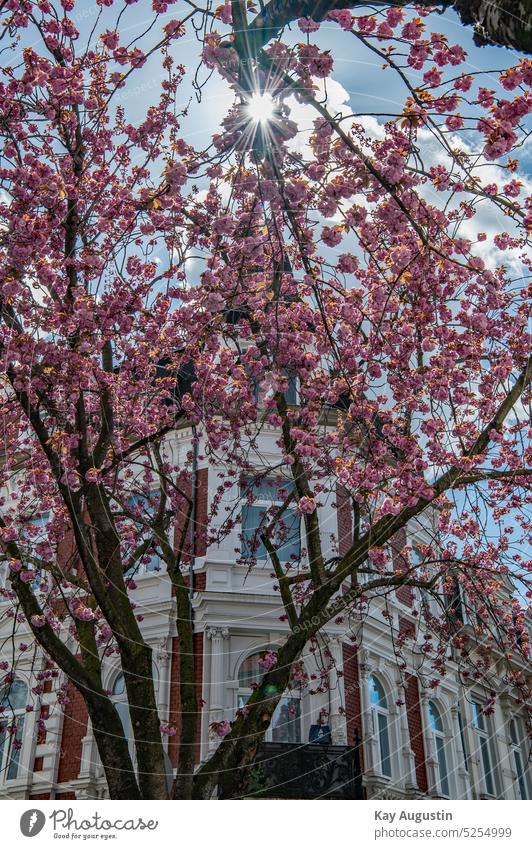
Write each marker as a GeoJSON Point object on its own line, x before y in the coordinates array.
{"type": "Point", "coordinates": [13, 699]}
{"type": "Point", "coordinates": [436, 726]}
{"type": "Point", "coordinates": [379, 713]}
{"type": "Point", "coordinates": [521, 758]}
{"type": "Point", "coordinates": [285, 726]}
{"type": "Point", "coordinates": [462, 740]}
{"type": "Point", "coordinates": [285, 536]}
{"type": "Point", "coordinates": [144, 506]}
{"type": "Point", "coordinates": [482, 727]}
{"type": "Point", "coordinates": [32, 535]}
{"type": "Point", "coordinates": [453, 602]}
{"type": "Point", "coordinates": [265, 388]}
{"type": "Point", "coordinates": [119, 697]}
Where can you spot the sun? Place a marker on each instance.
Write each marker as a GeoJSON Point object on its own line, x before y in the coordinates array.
{"type": "Point", "coordinates": [260, 108]}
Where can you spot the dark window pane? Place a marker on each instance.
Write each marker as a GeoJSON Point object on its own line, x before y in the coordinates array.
{"type": "Point", "coordinates": [286, 721]}
{"type": "Point", "coordinates": [15, 749]}
{"type": "Point", "coordinates": [486, 764]}
{"type": "Point", "coordinates": [478, 717]}
{"type": "Point", "coordinates": [520, 775]}
{"type": "Point", "coordinates": [442, 763]}
{"type": "Point", "coordinates": [285, 536]}
{"type": "Point", "coordinates": [384, 744]}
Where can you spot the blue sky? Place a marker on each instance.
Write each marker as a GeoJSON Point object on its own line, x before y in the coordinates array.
{"type": "Point", "coordinates": [360, 72]}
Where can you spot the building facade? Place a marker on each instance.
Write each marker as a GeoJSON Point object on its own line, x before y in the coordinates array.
{"type": "Point", "coordinates": [360, 728]}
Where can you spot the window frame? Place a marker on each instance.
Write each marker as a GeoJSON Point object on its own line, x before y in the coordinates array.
{"type": "Point", "coordinates": [263, 503]}
{"type": "Point", "coordinates": [440, 743]}
{"type": "Point", "coordinates": [485, 749]}
{"type": "Point", "coordinates": [141, 569]}
{"type": "Point", "coordinates": [291, 393]}
{"type": "Point", "coordinates": [520, 763]}
{"type": "Point", "coordinates": [12, 716]}
{"type": "Point", "coordinates": [380, 718]}
{"type": "Point", "coordinates": [244, 693]}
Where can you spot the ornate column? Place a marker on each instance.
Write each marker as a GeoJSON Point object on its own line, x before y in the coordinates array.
{"type": "Point", "coordinates": [462, 777]}
{"type": "Point", "coordinates": [475, 773]}
{"type": "Point", "coordinates": [431, 759]}
{"type": "Point", "coordinates": [337, 721]}
{"type": "Point", "coordinates": [503, 748]}
{"type": "Point", "coordinates": [217, 635]}
{"type": "Point", "coordinates": [408, 758]}
{"type": "Point", "coordinates": [368, 731]}
{"type": "Point", "coordinates": [163, 658]}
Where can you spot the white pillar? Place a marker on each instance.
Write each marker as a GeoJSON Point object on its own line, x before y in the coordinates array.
{"type": "Point", "coordinates": [217, 635]}
{"type": "Point", "coordinates": [408, 758]}
{"type": "Point", "coordinates": [431, 760]}
{"type": "Point", "coordinates": [369, 737]}
{"type": "Point", "coordinates": [337, 720]}
{"type": "Point", "coordinates": [501, 724]}
{"type": "Point", "coordinates": [476, 777]}
{"type": "Point", "coordinates": [163, 657]}
{"type": "Point", "coordinates": [463, 789]}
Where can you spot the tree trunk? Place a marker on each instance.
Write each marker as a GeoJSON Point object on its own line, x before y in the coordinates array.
{"type": "Point", "coordinates": [504, 22]}
{"type": "Point", "coordinates": [113, 750]}
{"type": "Point", "coordinates": [187, 691]}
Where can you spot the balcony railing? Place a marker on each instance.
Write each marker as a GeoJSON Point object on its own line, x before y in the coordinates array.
{"type": "Point", "coordinates": [309, 771]}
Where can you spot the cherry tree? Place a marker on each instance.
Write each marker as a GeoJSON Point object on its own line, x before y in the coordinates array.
{"type": "Point", "coordinates": [376, 264]}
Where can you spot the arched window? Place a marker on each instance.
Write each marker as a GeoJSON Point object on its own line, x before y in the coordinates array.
{"type": "Point", "coordinates": [436, 727]}
{"type": "Point", "coordinates": [119, 697]}
{"type": "Point", "coordinates": [521, 757]}
{"type": "Point", "coordinates": [379, 713]}
{"type": "Point", "coordinates": [285, 726]}
{"type": "Point", "coordinates": [13, 699]}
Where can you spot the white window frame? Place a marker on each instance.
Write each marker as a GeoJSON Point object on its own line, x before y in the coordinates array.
{"type": "Point", "coordinates": [263, 503]}
{"type": "Point", "coordinates": [520, 759]}
{"type": "Point", "coordinates": [290, 695]}
{"type": "Point", "coordinates": [291, 393]}
{"type": "Point", "coordinates": [14, 715]}
{"type": "Point", "coordinates": [485, 749]}
{"type": "Point", "coordinates": [379, 711]}
{"type": "Point", "coordinates": [440, 747]}
{"type": "Point", "coordinates": [155, 565]}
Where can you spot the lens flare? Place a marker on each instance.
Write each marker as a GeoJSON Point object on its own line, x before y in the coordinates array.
{"type": "Point", "coordinates": [260, 108]}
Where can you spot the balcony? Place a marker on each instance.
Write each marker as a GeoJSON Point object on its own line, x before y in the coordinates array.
{"type": "Point", "coordinates": [310, 771]}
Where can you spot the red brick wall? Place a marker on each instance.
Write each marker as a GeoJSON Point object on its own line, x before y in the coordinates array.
{"type": "Point", "coordinates": [345, 520]}
{"type": "Point", "coordinates": [397, 543]}
{"type": "Point", "coordinates": [415, 727]}
{"type": "Point", "coordinates": [202, 508]}
{"type": "Point", "coordinates": [407, 628]}
{"type": "Point", "coordinates": [67, 551]}
{"type": "Point", "coordinates": [200, 581]}
{"type": "Point", "coordinates": [175, 701]}
{"type": "Point", "coordinates": [40, 796]}
{"type": "Point", "coordinates": [74, 729]}
{"type": "Point", "coordinates": [181, 515]}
